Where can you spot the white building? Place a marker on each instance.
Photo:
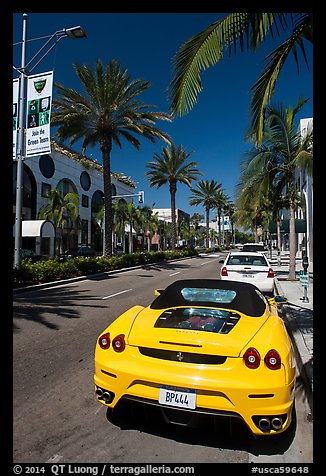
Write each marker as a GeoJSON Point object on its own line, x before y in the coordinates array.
{"type": "Point", "coordinates": [67, 171]}
{"type": "Point", "coordinates": [304, 185]}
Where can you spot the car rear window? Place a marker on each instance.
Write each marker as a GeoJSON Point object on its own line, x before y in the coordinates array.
{"type": "Point", "coordinates": [199, 319]}
{"type": "Point", "coordinates": [253, 248]}
{"type": "Point", "coordinates": [247, 260]}
{"type": "Point", "coordinates": [246, 297]}
{"type": "Point", "coordinates": [208, 295]}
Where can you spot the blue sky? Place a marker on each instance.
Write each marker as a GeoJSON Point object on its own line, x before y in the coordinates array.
{"type": "Point", "coordinates": [145, 44]}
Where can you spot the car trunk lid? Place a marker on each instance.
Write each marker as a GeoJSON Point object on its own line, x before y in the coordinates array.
{"type": "Point", "coordinates": [146, 333]}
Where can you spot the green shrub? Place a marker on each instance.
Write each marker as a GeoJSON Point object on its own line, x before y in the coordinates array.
{"type": "Point", "coordinates": [43, 271]}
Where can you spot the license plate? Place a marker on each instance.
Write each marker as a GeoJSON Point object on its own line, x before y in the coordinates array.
{"type": "Point", "coordinates": [247, 275]}
{"type": "Point", "coordinates": [183, 398]}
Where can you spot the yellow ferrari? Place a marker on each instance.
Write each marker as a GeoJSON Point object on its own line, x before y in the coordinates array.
{"type": "Point", "coordinates": [204, 346]}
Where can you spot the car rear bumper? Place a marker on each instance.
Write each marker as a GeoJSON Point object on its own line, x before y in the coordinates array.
{"type": "Point", "coordinates": [265, 285]}
{"type": "Point", "coordinates": [229, 389]}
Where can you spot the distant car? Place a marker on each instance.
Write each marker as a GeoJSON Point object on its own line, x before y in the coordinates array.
{"type": "Point", "coordinates": [249, 267]}
{"type": "Point", "coordinates": [80, 251]}
{"type": "Point", "coordinates": [203, 346]}
{"type": "Point", "coordinates": [28, 253]}
{"type": "Point", "coordinates": [254, 247]}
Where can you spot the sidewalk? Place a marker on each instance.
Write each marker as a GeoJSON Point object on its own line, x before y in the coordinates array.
{"type": "Point", "coordinates": [298, 317]}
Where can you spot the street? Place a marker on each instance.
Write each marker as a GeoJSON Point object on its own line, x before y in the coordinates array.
{"type": "Point", "coordinates": [56, 415]}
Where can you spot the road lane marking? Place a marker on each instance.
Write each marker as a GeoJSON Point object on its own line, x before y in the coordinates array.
{"type": "Point", "coordinates": [117, 294]}
{"type": "Point", "coordinates": [54, 459]}
{"type": "Point", "coordinates": [208, 262]}
{"type": "Point", "coordinates": [173, 274]}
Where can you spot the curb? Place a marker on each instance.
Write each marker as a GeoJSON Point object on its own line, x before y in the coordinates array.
{"type": "Point", "coordinates": [298, 344]}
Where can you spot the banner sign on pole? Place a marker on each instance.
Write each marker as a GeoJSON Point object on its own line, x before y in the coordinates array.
{"type": "Point", "coordinates": [15, 100]}
{"type": "Point", "coordinates": [39, 99]}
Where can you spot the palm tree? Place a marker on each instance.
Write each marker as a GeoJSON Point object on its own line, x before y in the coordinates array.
{"type": "Point", "coordinates": [120, 219]}
{"type": "Point", "coordinates": [150, 223]}
{"type": "Point", "coordinates": [206, 194]}
{"type": "Point", "coordinates": [221, 203]}
{"type": "Point", "coordinates": [194, 223]}
{"type": "Point", "coordinates": [61, 210]}
{"type": "Point", "coordinates": [108, 112]}
{"type": "Point", "coordinates": [170, 167]}
{"type": "Point", "coordinates": [134, 218]}
{"type": "Point", "coordinates": [243, 30]}
{"type": "Point", "coordinates": [282, 151]}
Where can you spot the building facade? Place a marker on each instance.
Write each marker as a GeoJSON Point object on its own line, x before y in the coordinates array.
{"type": "Point", "coordinates": [304, 185]}
{"type": "Point", "coordinates": [67, 171]}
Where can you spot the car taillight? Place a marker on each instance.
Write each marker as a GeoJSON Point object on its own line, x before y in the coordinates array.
{"type": "Point", "coordinates": [270, 273]}
{"type": "Point", "coordinates": [273, 360]}
{"type": "Point", "coordinates": [104, 341]}
{"type": "Point", "coordinates": [224, 271]}
{"type": "Point", "coordinates": [118, 343]}
{"type": "Point", "coordinates": [251, 358]}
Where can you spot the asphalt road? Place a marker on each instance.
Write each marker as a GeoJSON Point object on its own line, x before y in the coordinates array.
{"type": "Point", "coordinates": [56, 415]}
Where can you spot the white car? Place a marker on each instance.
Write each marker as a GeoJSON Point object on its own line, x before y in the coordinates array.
{"type": "Point", "coordinates": [249, 267]}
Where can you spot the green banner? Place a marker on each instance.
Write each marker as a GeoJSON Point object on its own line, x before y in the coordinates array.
{"type": "Point", "coordinates": [300, 226]}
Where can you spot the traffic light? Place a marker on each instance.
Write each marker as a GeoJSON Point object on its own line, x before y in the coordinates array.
{"type": "Point", "coordinates": [141, 197]}
{"type": "Point", "coordinates": [258, 219]}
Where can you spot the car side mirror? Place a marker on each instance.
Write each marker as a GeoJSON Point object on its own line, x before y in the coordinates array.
{"type": "Point", "coordinates": [221, 261]}
{"type": "Point", "coordinates": [157, 292]}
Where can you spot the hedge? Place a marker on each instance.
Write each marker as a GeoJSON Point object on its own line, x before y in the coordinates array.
{"type": "Point", "coordinates": [44, 271]}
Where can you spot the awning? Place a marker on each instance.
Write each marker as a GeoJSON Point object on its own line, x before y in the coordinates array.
{"type": "Point", "coordinates": [38, 228]}
{"type": "Point", "coordinates": [300, 226]}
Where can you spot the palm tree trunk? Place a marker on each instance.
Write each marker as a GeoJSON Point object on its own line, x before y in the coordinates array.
{"type": "Point", "coordinates": [207, 227]}
{"type": "Point", "coordinates": [108, 225]}
{"type": "Point", "coordinates": [219, 225]}
{"type": "Point", "coordinates": [292, 244]}
{"type": "Point", "coordinates": [173, 189]}
{"type": "Point", "coordinates": [279, 241]}
{"type": "Point", "coordinates": [130, 237]}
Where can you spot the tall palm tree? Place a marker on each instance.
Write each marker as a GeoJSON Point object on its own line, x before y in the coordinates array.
{"type": "Point", "coordinates": [221, 203]}
{"type": "Point", "coordinates": [108, 111]}
{"type": "Point", "coordinates": [171, 167]}
{"type": "Point", "coordinates": [242, 30]}
{"type": "Point", "coordinates": [61, 210]}
{"type": "Point", "coordinates": [282, 151]}
{"type": "Point", "coordinates": [206, 194]}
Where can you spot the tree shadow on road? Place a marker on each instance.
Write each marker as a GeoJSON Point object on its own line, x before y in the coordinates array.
{"type": "Point", "coordinates": [50, 306]}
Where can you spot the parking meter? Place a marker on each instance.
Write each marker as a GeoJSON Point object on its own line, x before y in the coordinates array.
{"type": "Point", "coordinates": [305, 263]}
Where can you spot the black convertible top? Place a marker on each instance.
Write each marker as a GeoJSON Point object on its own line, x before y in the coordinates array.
{"type": "Point", "coordinates": [242, 297]}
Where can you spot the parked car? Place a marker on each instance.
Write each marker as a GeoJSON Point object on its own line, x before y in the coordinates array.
{"type": "Point", "coordinates": [248, 267]}
{"type": "Point", "coordinates": [28, 253]}
{"type": "Point", "coordinates": [203, 346]}
{"type": "Point", "coordinates": [80, 251]}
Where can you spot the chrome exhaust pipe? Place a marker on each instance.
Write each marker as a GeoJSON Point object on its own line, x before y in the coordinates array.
{"type": "Point", "coordinates": [99, 392]}
{"type": "Point", "coordinates": [277, 423]}
{"type": "Point", "coordinates": [264, 424]}
{"type": "Point", "coordinates": [107, 397]}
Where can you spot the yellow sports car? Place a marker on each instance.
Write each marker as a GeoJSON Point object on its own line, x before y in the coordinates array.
{"type": "Point", "coordinates": [203, 346]}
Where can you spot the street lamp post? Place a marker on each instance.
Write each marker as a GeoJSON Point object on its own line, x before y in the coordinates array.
{"type": "Point", "coordinates": [74, 33]}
